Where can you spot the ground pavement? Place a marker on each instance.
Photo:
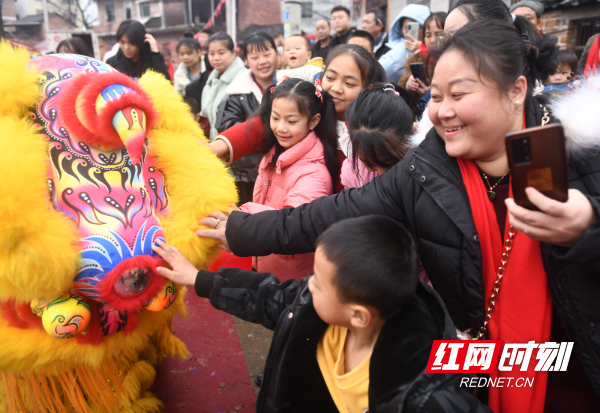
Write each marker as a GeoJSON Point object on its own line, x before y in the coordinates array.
{"type": "Point", "coordinates": [226, 353]}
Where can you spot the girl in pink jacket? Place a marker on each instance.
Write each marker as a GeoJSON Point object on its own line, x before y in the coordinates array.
{"type": "Point", "coordinates": [299, 161]}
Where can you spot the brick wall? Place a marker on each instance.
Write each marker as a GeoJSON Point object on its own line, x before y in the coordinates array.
{"type": "Point", "coordinates": [175, 13]}
{"type": "Point", "coordinates": [105, 26]}
{"type": "Point", "coordinates": [259, 12]}
{"type": "Point", "coordinates": [59, 24]}
{"type": "Point", "coordinates": [565, 21]}
{"type": "Point", "coordinates": [8, 9]}
{"type": "Point", "coordinates": [553, 21]}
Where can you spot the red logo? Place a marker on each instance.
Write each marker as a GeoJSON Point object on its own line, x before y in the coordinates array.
{"type": "Point", "coordinates": [464, 356]}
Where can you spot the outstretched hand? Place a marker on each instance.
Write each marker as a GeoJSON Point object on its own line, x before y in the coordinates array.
{"type": "Point", "coordinates": [558, 223]}
{"type": "Point", "coordinates": [218, 222]}
{"type": "Point", "coordinates": [183, 272]}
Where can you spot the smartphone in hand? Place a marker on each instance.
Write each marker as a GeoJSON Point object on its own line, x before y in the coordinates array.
{"type": "Point", "coordinates": [418, 71]}
{"type": "Point", "coordinates": [537, 158]}
{"type": "Point", "coordinates": [413, 29]}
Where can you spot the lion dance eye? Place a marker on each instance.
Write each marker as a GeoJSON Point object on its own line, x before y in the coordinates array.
{"type": "Point", "coordinates": [132, 282]}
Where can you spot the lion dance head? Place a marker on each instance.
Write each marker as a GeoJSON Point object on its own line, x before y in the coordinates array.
{"type": "Point", "coordinates": [95, 167]}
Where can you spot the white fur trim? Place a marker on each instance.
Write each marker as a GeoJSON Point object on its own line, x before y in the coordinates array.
{"type": "Point", "coordinates": [579, 113]}
{"type": "Point", "coordinates": [423, 127]}
{"type": "Point", "coordinates": [344, 143]}
{"type": "Point", "coordinates": [244, 84]}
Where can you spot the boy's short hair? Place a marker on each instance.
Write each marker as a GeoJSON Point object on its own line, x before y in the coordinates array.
{"type": "Point", "coordinates": [365, 35]}
{"type": "Point", "coordinates": [193, 104]}
{"type": "Point", "coordinates": [207, 31]}
{"type": "Point", "coordinates": [376, 262]}
{"type": "Point", "coordinates": [308, 45]}
{"type": "Point", "coordinates": [564, 57]}
{"type": "Point", "coordinates": [341, 8]}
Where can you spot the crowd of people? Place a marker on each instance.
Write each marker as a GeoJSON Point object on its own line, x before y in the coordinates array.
{"type": "Point", "coordinates": [375, 157]}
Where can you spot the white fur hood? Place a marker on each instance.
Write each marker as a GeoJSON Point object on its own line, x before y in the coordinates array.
{"type": "Point", "coordinates": [577, 111]}
{"type": "Point", "coordinates": [244, 84]}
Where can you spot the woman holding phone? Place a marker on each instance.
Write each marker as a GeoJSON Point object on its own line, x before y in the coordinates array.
{"type": "Point", "coordinates": [481, 90]}
{"type": "Point", "coordinates": [402, 45]}
{"type": "Point", "coordinates": [432, 28]}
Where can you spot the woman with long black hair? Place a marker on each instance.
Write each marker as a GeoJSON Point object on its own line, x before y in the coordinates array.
{"type": "Point", "coordinates": [138, 51]}
{"type": "Point", "coordinates": [452, 190]}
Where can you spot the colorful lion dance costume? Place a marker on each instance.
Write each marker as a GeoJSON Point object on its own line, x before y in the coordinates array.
{"type": "Point", "coordinates": [94, 168]}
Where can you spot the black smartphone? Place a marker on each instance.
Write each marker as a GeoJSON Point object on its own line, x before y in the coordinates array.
{"type": "Point", "coordinates": [418, 72]}
{"type": "Point", "coordinates": [537, 158]}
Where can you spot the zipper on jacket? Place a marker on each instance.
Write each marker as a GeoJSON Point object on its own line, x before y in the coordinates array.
{"type": "Point", "coordinates": [275, 349]}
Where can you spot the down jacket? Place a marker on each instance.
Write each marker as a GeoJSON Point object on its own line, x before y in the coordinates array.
{"type": "Point", "coordinates": [393, 61]}
{"type": "Point", "coordinates": [214, 92]}
{"type": "Point", "coordinates": [299, 176]}
{"type": "Point", "coordinates": [425, 192]}
{"type": "Point", "coordinates": [181, 77]}
{"type": "Point", "coordinates": [293, 381]}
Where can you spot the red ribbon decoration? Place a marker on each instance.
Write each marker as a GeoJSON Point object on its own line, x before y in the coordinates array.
{"type": "Point", "coordinates": [319, 90]}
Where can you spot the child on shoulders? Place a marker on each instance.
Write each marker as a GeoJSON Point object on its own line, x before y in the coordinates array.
{"type": "Point", "coordinates": [297, 54]}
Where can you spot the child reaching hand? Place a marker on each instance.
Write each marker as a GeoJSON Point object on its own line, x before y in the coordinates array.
{"type": "Point", "coordinates": [299, 161]}
{"type": "Point", "coordinates": [354, 337]}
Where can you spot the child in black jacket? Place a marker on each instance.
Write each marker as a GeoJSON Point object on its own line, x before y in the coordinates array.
{"type": "Point", "coordinates": [354, 337]}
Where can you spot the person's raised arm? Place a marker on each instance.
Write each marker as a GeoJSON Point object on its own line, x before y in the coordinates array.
{"type": "Point", "coordinates": [239, 140]}
{"type": "Point", "coordinates": [295, 230]}
{"type": "Point", "coordinates": [255, 293]}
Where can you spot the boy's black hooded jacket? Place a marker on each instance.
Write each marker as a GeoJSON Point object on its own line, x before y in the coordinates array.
{"type": "Point", "coordinates": [293, 381]}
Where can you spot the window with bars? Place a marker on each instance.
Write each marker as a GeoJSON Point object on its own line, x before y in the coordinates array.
{"type": "Point", "coordinates": [585, 29]}
{"type": "Point", "coordinates": [110, 13]}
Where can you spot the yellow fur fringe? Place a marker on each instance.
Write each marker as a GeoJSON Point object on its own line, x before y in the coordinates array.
{"type": "Point", "coordinates": [197, 182]}
{"type": "Point", "coordinates": [38, 246]}
{"type": "Point", "coordinates": [174, 112]}
{"type": "Point", "coordinates": [39, 254]}
{"type": "Point", "coordinates": [20, 88]}
{"type": "Point", "coordinates": [80, 388]}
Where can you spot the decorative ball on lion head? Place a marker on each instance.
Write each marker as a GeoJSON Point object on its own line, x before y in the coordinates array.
{"type": "Point", "coordinates": [117, 164]}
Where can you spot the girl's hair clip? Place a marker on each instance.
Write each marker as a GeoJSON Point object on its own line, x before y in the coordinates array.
{"type": "Point", "coordinates": [390, 88]}
{"type": "Point", "coordinates": [319, 90]}
{"type": "Point", "coordinates": [272, 88]}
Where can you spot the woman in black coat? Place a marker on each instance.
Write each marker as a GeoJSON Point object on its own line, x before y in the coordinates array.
{"type": "Point", "coordinates": [481, 90]}
{"type": "Point", "coordinates": [138, 51]}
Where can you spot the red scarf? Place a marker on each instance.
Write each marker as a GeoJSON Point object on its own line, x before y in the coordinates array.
{"type": "Point", "coordinates": [523, 309]}
{"type": "Point", "coordinates": [423, 50]}
{"type": "Point", "coordinates": [592, 62]}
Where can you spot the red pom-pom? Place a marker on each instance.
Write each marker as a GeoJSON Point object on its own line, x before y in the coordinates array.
{"type": "Point", "coordinates": [97, 129]}
{"type": "Point", "coordinates": [135, 300]}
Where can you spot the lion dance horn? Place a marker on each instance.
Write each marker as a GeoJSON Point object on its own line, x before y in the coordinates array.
{"type": "Point", "coordinates": [108, 111]}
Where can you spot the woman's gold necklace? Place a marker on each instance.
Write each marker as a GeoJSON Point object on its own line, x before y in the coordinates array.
{"type": "Point", "coordinates": [491, 194]}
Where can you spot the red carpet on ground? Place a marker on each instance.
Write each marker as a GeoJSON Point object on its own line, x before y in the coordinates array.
{"type": "Point", "coordinates": [215, 378]}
